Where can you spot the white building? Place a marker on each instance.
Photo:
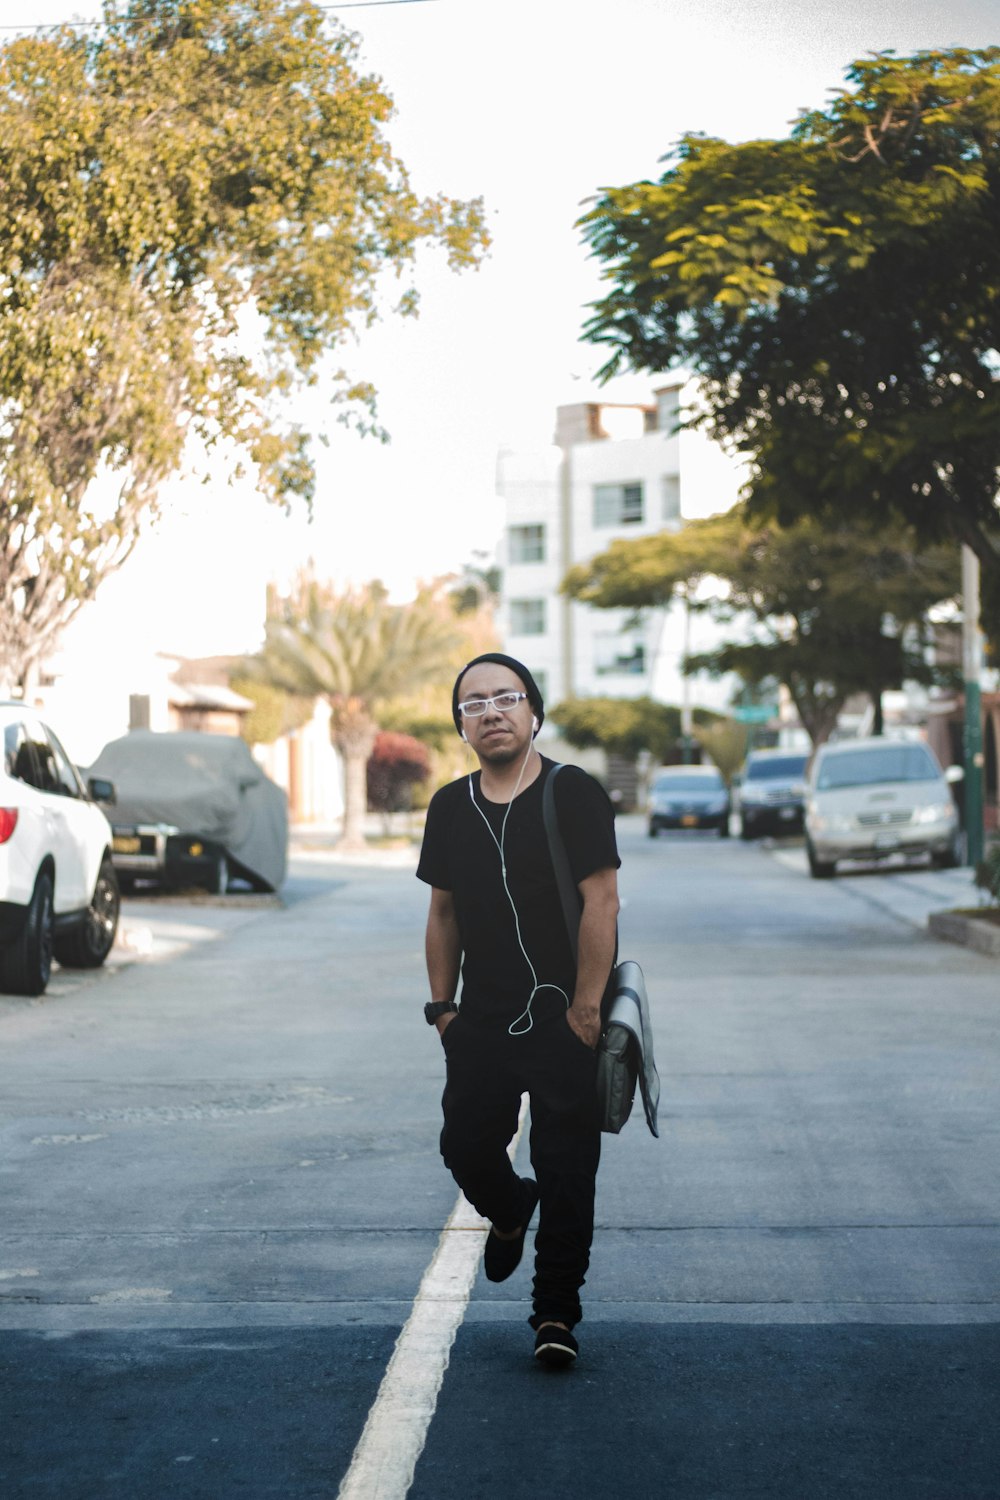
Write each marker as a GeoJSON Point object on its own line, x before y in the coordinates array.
{"type": "Point", "coordinates": [614, 471]}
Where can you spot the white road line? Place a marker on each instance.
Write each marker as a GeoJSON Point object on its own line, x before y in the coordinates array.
{"type": "Point", "coordinates": [393, 1438]}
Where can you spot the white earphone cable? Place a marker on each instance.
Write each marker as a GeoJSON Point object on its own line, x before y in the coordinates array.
{"type": "Point", "coordinates": [515, 1029]}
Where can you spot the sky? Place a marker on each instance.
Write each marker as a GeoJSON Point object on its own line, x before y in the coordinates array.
{"type": "Point", "coordinates": [535, 105]}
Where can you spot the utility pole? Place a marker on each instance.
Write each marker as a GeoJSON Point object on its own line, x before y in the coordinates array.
{"type": "Point", "coordinates": [972, 658]}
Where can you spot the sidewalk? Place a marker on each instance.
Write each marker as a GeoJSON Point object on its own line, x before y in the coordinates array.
{"type": "Point", "coordinates": [908, 894]}
{"type": "Point", "coordinates": [399, 849]}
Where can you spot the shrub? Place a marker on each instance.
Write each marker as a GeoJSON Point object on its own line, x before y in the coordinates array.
{"type": "Point", "coordinates": [988, 870]}
{"type": "Point", "coordinates": [398, 763]}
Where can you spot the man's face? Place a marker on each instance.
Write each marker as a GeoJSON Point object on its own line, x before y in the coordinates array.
{"type": "Point", "coordinates": [497, 738]}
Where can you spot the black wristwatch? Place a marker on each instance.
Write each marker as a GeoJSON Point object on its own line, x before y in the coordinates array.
{"type": "Point", "coordinates": [435, 1008]}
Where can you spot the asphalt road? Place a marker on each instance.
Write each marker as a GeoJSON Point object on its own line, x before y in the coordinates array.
{"type": "Point", "coordinates": [220, 1190]}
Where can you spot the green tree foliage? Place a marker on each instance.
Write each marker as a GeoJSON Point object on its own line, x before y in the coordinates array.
{"type": "Point", "coordinates": [199, 204]}
{"type": "Point", "coordinates": [358, 652]}
{"type": "Point", "coordinates": [274, 711]}
{"type": "Point", "coordinates": [725, 743]}
{"type": "Point", "coordinates": [988, 871]}
{"type": "Point", "coordinates": [838, 293]}
{"type": "Point", "coordinates": [834, 611]}
{"type": "Point", "coordinates": [477, 588]}
{"type": "Point", "coordinates": [622, 726]}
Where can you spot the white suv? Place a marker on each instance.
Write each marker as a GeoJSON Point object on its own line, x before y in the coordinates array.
{"type": "Point", "coordinates": [58, 890]}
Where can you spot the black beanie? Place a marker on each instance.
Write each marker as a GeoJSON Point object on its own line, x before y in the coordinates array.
{"type": "Point", "coordinates": [530, 685]}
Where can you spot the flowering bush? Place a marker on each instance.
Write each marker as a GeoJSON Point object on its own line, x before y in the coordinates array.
{"type": "Point", "coordinates": [396, 765]}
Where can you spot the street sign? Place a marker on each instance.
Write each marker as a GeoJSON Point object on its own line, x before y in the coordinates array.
{"type": "Point", "coordinates": [755, 713]}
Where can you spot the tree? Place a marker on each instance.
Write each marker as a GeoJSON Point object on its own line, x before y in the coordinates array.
{"type": "Point", "coordinates": [274, 711]}
{"type": "Point", "coordinates": [477, 588]}
{"type": "Point", "coordinates": [838, 294]}
{"type": "Point", "coordinates": [357, 651]}
{"type": "Point", "coordinates": [725, 742]}
{"type": "Point", "coordinates": [622, 726]}
{"type": "Point", "coordinates": [834, 611]}
{"type": "Point", "coordinates": [199, 204]}
{"type": "Point", "coordinates": [425, 713]}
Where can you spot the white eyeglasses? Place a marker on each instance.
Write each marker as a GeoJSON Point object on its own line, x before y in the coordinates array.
{"type": "Point", "coordinates": [474, 708]}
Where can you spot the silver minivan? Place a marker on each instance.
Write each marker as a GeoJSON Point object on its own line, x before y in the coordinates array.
{"type": "Point", "coordinates": [870, 799]}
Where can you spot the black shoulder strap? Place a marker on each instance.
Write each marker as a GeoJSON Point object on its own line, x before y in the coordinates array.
{"type": "Point", "coordinates": [569, 896]}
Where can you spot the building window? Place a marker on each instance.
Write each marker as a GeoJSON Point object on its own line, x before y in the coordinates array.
{"type": "Point", "coordinates": [618, 504]}
{"type": "Point", "coordinates": [668, 409]}
{"type": "Point", "coordinates": [527, 617]}
{"type": "Point", "coordinates": [526, 544]}
{"type": "Point", "coordinates": [671, 489]}
{"type": "Point", "coordinates": [618, 654]}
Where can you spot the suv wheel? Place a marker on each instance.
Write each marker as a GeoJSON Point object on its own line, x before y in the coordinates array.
{"type": "Point", "coordinates": [87, 945]}
{"type": "Point", "coordinates": [26, 963]}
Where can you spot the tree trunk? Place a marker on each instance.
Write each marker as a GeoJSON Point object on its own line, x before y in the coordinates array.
{"type": "Point", "coordinates": [352, 838]}
{"type": "Point", "coordinates": [353, 732]}
{"type": "Point", "coordinates": [878, 723]}
{"type": "Point", "coordinates": [818, 713]}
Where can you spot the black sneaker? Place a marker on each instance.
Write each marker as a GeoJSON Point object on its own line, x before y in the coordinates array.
{"type": "Point", "coordinates": [555, 1347]}
{"type": "Point", "coordinates": [501, 1258]}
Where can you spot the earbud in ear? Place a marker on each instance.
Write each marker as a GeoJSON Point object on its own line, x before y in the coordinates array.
{"type": "Point", "coordinates": [534, 723]}
{"type": "Point", "coordinates": [464, 736]}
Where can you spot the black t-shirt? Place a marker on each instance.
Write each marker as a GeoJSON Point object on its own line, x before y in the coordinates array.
{"type": "Point", "coordinates": [460, 854]}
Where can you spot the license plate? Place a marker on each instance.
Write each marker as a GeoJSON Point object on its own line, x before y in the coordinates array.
{"type": "Point", "coordinates": [886, 841]}
{"type": "Point", "coordinates": [786, 812]}
{"type": "Point", "coordinates": [689, 820]}
{"type": "Point", "coordinates": [126, 844]}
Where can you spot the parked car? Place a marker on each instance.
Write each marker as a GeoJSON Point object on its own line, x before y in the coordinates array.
{"type": "Point", "coordinates": [58, 891]}
{"type": "Point", "coordinates": [688, 797]}
{"type": "Point", "coordinates": [194, 810]}
{"type": "Point", "coordinates": [771, 792]}
{"type": "Point", "coordinates": [869, 799]}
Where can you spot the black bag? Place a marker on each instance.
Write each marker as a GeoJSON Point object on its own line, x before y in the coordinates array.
{"type": "Point", "coordinates": [625, 1050]}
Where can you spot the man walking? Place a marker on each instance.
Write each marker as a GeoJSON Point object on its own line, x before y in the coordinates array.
{"type": "Point", "coordinates": [530, 1018]}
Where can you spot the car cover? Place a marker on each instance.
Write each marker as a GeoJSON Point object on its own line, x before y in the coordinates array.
{"type": "Point", "coordinates": [204, 784]}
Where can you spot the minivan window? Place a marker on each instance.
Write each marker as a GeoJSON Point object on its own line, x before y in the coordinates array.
{"type": "Point", "coordinates": [878, 764]}
{"type": "Point", "coordinates": [776, 765]}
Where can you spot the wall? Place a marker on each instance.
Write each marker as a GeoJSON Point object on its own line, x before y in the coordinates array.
{"type": "Point", "coordinates": [600, 443]}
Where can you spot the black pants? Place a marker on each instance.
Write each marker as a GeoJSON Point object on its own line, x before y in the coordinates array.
{"type": "Point", "coordinates": [488, 1070]}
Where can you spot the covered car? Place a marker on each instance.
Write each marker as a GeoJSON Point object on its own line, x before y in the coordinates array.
{"type": "Point", "coordinates": [193, 809]}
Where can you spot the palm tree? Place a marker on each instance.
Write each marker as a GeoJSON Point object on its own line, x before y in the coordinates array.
{"type": "Point", "coordinates": [357, 651]}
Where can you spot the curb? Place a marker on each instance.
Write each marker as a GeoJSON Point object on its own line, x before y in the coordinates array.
{"type": "Point", "coordinates": [953, 927]}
